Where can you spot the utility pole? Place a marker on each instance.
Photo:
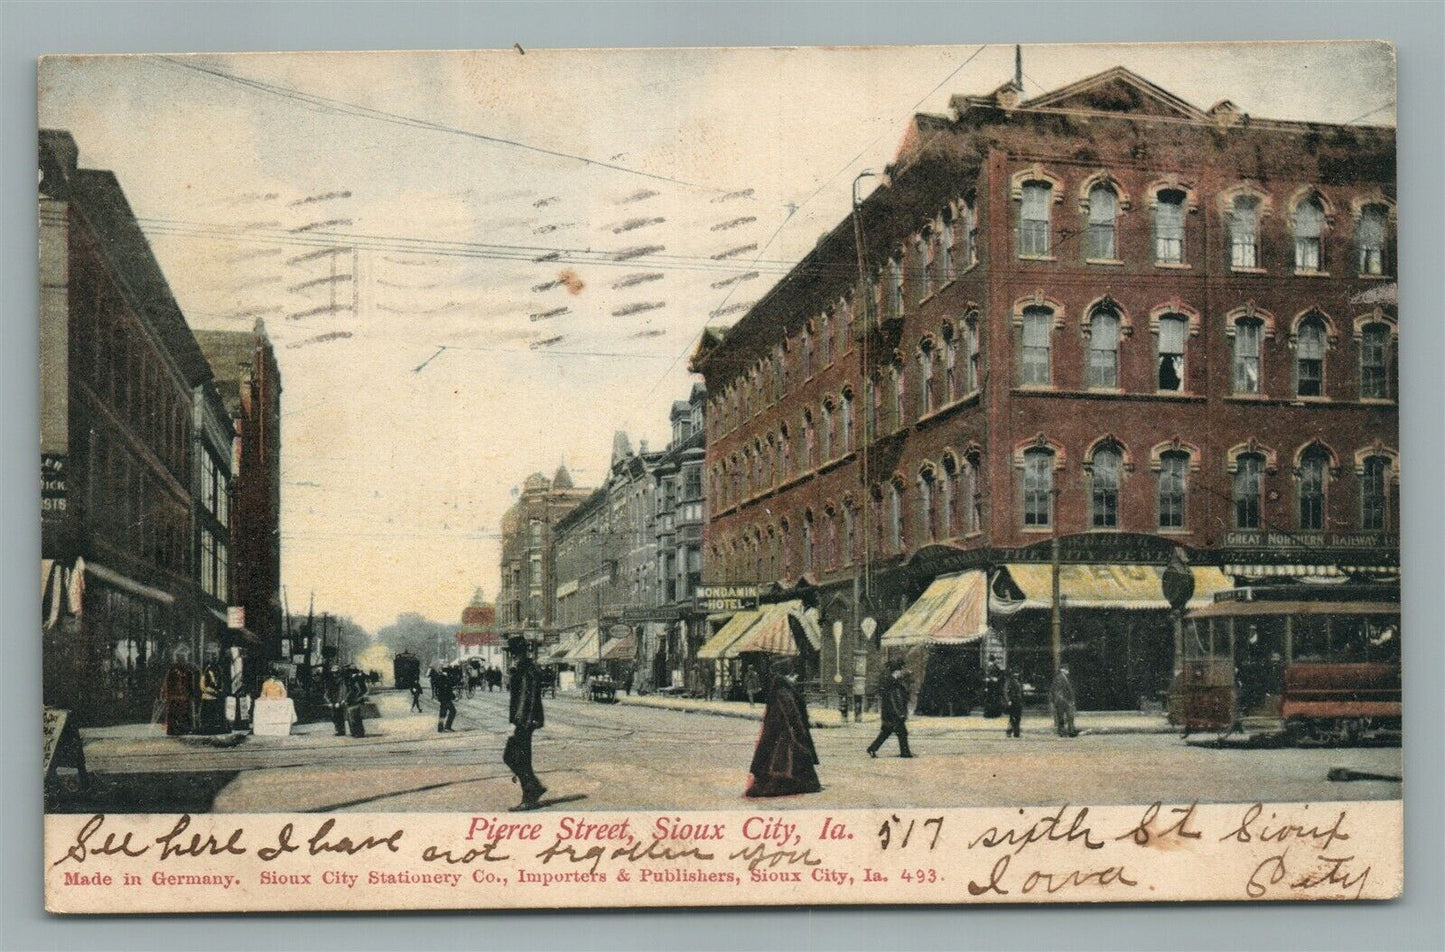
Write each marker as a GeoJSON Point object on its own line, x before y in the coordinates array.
{"type": "Point", "coordinates": [1056, 626]}
{"type": "Point", "coordinates": [862, 571]}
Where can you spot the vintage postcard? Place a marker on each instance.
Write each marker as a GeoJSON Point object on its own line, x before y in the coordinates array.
{"type": "Point", "coordinates": [709, 477]}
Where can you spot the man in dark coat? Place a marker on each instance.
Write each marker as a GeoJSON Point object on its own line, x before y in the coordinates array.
{"type": "Point", "coordinates": [446, 687]}
{"type": "Point", "coordinates": [784, 759]}
{"type": "Point", "coordinates": [334, 689]}
{"type": "Point", "coordinates": [526, 717]}
{"type": "Point", "coordinates": [1013, 702]}
{"type": "Point", "coordinates": [893, 704]}
{"type": "Point", "coordinates": [751, 685]}
{"type": "Point", "coordinates": [356, 692]}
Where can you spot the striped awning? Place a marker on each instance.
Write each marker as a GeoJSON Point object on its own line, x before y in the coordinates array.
{"type": "Point", "coordinates": [953, 611]}
{"type": "Point", "coordinates": [620, 649]}
{"type": "Point", "coordinates": [1111, 586]}
{"type": "Point", "coordinates": [734, 629]}
{"type": "Point", "coordinates": [586, 648]}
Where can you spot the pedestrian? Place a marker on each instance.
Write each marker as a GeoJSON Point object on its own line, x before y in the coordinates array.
{"type": "Point", "coordinates": [213, 703]}
{"type": "Point", "coordinates": [356, 692]}
{"type": "Point", "coordinates": [447, 699]}
{"type": "Point", "coordinates": [893, 705]}
{"type": "Point", "coordinates": [525, 714]}
{"type": "Point", "coordinates": [1061, 696]}
{"type": "Point", "coordinates": [176, 693]}
{"type": "Point", "coordinates": [433, 675]}
{"type": "Point", "coordinates": [334, 690]}
{"type": "Point", "coordinates": [785, 756]}
{"type": "Point", "coordinates": [751, 685]}
{"type": "Point", "coordinates": [1013, 702]}
{"type": "Point", "coordinates": [416, 696]}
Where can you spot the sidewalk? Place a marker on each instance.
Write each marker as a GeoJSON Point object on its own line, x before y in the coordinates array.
{"type": "Point", "coordinates": [1035, 720]}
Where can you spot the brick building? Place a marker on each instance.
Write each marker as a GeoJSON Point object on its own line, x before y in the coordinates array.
{"type": "Point", "coordinates": [248, 380]}
{"type": "Point", "coordinates": [1101, 323]}
{"type": "Point", "coordinates": [477, 638]}
{"type": "Point", "coordinates": [119, 368]}
{"type": "Point", "coordinates": [524, 602]}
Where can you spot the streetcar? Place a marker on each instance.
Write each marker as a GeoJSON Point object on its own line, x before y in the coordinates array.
{"type": "Point", "coordinates": [1303, 663]}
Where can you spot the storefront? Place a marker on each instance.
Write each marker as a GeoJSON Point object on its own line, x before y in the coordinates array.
{"type": "Point", "coordinates": [940, 639]}
{"type": "Point", "coordinates": [755, 638]}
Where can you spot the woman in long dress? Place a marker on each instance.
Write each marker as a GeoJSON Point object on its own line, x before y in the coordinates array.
{"type": "Point", "coordinates": [785, 755]}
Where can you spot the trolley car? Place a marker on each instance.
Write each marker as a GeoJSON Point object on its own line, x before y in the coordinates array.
{"type": "Point", "coordinates": [1312, 663]}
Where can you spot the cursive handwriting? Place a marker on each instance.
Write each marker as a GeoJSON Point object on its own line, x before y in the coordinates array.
{"type": "Point", "coordinates": [81, 849]}
{"type": "Point", "coordinates": [1330, 871]}
{"type": "Point", "coordinates": [487, 853]}
{"type": "Point", "coordinates": [1250, 830]}
{"type": "Point", "coordinates": [758, 854]}
{"type": "Point", "coordinates": [1144, 832]}
{"type": "Point", "coordinates": [1050, 882]}
{"type": "Point", "coordinates": [172, 844]}
{"type": "Point", "coordinates": [1048, 828]}
{"type": "Point", "coordinates": [654, 850]}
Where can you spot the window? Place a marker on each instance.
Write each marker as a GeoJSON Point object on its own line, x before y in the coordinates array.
{"type": "Point", "coordinates": [1312, 473]}
{"type": "Point", "coordinates": [1173, 468]}
{"type": "Point", "coordinates": [1038, 489]}
{"type": "Point", "coordinates": [807, 352]}
{"type": "Point", "coordinates": [1310, 358]}
{"type": "Point", "coordinates": [925, 378]}
{"type": "Point", "coordinates": [1309, 221]}
{"type": "Point", "coordinates": [1370, 239]}
{"type": "Point", "coordinates": [810, 441]}
{"type": "Point", "coordinates": [943, 244]}
{"type": "Point", "coordinates": [830, 552]}
{"type": "Point", "coordinates": [1036, 362]}
{"type": "Point", "coordinates": [892, 289]}
{"type": "Point", "coordinates": [827, 429]}
{"type": "Point", "coordinates": [1103, 213]}
{"type": "Point", "coordinates": [950, 365]}
{"type": "Point", "coordinates": [1244, 232]}
{"type": "Point", "coordinates": [1104, 350]}
{"type": "Point", "coordinates": [973, 470]}
{"type": "Point", "coordinates": [899, 396]}
{"type": "Point", "coordinates": [785, 446]}
{"type": "Point", "coordinates": [808, 541]}
{"type": "Point", "coordinates": [1034, 220]}
{"type": "Point", "coordinates": [1104, 489]}
{"type": "Point", "coordinates": [1248, 481]}
{"type": "Point", "coordinates": [1173, 330]}
{"type": "Point", "coordinates": [1375, 362]}
{"type": "Point", "coordinates": [843, 322]}
{"type": "Point", "coordinates": [825, 340]}
{"type": "Point", "coordinates": [1169, 227]}
{"type": "Point", "coordinates": [970, 341]}
{"type": "Point", "coordinates": [1247, 333]}
{"type": "Point", "coordinates": [896, 534]}
{"type": "Point", "coordinates": [846, 415]}
{"type": "Point", "coordinates": [1374, 494]}
{"type": "Point", "coordinates": [923, 249]}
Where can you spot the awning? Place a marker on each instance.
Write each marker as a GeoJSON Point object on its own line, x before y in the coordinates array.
{"type": "Point", "coordinates": [1110, 586]}
{"type": "Point", "coordinates": [773, 632]}
{"type": "Point", "coordinates": [620, 649]}
{"type": "Point", "coordinates": [735, 628]}
{"type": "Point", "coordinates": [586, 648]}
{"type": "Point", "coordinates": [952, 611]}
{"type": "Point", "coordinates": [112, 577]}
{"type": "Point", "coordinates": [560, 649]}
{"type": "Point", "coordinates": [1259, 608]}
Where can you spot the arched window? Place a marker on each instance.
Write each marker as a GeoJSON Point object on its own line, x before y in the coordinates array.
{"type": "Point", "coordinates": [1248, 489]}
{"type": "Point", "coordinates": [845, 419]}
{"type": "Point", "coordinates": [1036, 354]}
{"type": "Point", "coordinates": [810, 441]}
{"type": "Point", "coordinates": [825, 339]}
{"type": "Point", "coordinates": [973, 482]}
{"type": "Point", "coordinates": [830, 543]}
{"type": "Point", "coordinates": [1244, 232]}
{"type": "Point", "coordinates": [1169, 226]}
{"type": "Point", "coordinates": [808, 540]}
{"type": "Point", "coordinates": [1248, 333]}
{"type": "Point", "coordinates": [1370, 234]}
{"type": "Point", "coordinates": [923, 251]}
{"type": "Point", "coordinates": [1173, 332]}
{"type": "Point", "coordinates": [808, 352]}
{"type": "Point", "coordinates": [1104, 488]}
{"type": "Point", "coordinates": [970, 349]}
{"type": "Point", "coordinates": [1103, 215]}
{"type": "Point", "coordinates": [843, 323]}
{"type": "Point", "coordinates": [968, 232]}
{"type": "Point", "coordinates": [1313, 474]}
{"type": "Point", "coordinates": [1375, 509]}
{"type": "Point", "coordinates": [1173, 479]}
{"type": "Point", "coordinates": [892, 288]}
{"type": "Point", "coordinates": [1309, 222]}
{"type": "Point", "coordinates": [1104, 350]}
{"type": "Point", "coordinates": [899, 395]}
{"type": "Point", "coordinates": [785, 447]}
{"type": "Point", "coordinates": [1036, 199]}
{"type": "Point", "coordinates": [1375, 361]}
{"type": "Point", "coordinates": [943, 240]}
{"type": "Point", "coordinates": [1310, 357]}
{"type": "Point", "coordinates": [951, 389]}
{"type": "Point", "coordinates": [897, 536]}
{"type": "Point", "coordinates": [1038, 488]}
{"type": "Point", "coordinates": [830, 443]}
{"type": "Point", "coordinates": [927, 506]}
{"type": "Point", "coordinates": [925, 377]}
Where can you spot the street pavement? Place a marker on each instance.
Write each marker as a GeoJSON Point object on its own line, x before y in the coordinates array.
{"type": "Point", "coordinates": [637, 756]}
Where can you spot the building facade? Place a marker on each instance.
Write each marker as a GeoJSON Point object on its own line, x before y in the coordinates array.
{"type": "Point", "coordinates": [477, 638]}
{"type": "Point", "coordinates": [248, 381]}
{"type": "Point", "coordinates": [525, 602]}
{"type": "Point", "coordinates": [213, 449]}
{"type": "Point", "coordinates": [1092, 329]}
{"type": "Point", "coordinates": [681, 512]}
{"type": "Point", "coordinates": [119, 368]}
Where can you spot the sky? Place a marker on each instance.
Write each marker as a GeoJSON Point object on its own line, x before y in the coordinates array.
{"type": "Point", "coordinates": [479, 265]}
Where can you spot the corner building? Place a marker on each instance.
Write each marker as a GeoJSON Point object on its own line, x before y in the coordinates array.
{"type": "Point", "coordinates": [1101, 322]}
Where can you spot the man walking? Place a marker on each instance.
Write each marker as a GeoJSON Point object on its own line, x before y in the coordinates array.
{"type": "Point", "coordinates": [751, 685]}
{"type": "Point", "coordinates": [356, 692]}
{"type": "Point", "coordinates": [416, 696]}
{"type": "Point", "coordinates": [1013, 702]}
{"type": "Point", "coordinates": [526, 717]}
{"type": "Point", "coordinates": [893, 704]}
{"type": "Point", "coordinates": [446, 689]}
{"type": "Point", "coordinates": [333, 686]}
{"type": "Point", "coordinates": [1061, 696]}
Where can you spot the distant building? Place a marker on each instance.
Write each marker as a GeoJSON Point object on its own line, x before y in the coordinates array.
{"type": "Point", "coordinates": [477, 638]}
{"type": "Point", "coordinates": [679, 529]}
{"type": "Point", "coordinates": [119, 369]}
{"type": "Point", "coordinates": [1102, 323]}
{"type": "Point", "coordinates": [214, 438]}
{"type": "Point", "coordinates": [248, 381]}
{"type": "Point", "coordinates": [524, 600]}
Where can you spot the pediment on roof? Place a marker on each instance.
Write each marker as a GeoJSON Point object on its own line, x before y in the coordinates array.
{"type": "Point", "coordinates": [1117, 91]}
